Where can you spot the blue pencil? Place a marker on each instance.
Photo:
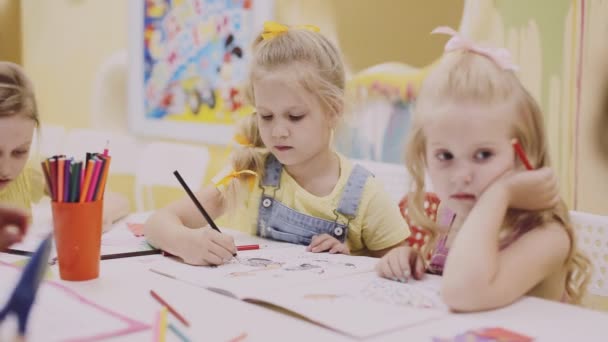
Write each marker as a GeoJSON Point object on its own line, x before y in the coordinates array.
{"type": "Point", "coordinates": [179, 334]}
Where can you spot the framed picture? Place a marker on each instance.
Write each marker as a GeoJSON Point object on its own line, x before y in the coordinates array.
{"type": "Point", "coordinates": [188, 64]}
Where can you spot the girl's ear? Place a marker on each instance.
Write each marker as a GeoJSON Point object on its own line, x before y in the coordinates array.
{"type": "Point", "coordinates": [336, 115]}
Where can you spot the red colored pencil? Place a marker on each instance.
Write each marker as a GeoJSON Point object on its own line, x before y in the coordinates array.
{"type": "Point", "coordinates": [522, 155]}
{"type": "Point", "coordinates": [170, 308]}
{"type": "Point", "coordinates": [247, 247]}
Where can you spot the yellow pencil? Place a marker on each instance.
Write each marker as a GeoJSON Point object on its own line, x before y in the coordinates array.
{"type": "Point", "coordinates": [162, 325]}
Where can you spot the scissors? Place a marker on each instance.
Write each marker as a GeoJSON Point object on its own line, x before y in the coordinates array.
{"type": "Point", "coordinates": [22, 298]}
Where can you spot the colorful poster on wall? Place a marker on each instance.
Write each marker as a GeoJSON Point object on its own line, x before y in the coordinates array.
{"type": "Point", "coordinates": [188, 66]}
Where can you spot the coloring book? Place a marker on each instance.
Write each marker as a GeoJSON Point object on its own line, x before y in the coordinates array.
{"type": "Point", "coordinates": [339, 292]}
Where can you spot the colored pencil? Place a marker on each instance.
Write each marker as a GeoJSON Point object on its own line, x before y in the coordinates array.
{"type": "Point", "coordinates": [522, 155]}
{"type": "Point", "coordinates": [104, 178]}
{"type": "Point", "coordinates": [53, 172]}
{"type": "Point", "coordinates": [60, 179]}
{"type": "Point", "coordinates": [162, 325]}
{"type": "Point", "coordinates": [170, 308]}
{"type": "Point", "coordinates": [66, 180]}
{"type": "Point", "coordinates": [177, 332]}
{"type": "Point", "coordinates": [94, 179]}
{"type": "Point", "coordinates": [47, 176]}
{"type": "Point", "coordinates": [247, 247]}
{"type": "Point", "coordinates": [196, 202]}
{"type": "Point", "coordinates": [87, 180]}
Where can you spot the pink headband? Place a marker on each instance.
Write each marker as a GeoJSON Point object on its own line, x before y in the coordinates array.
{"type": "Point", "coordinates": [500, 56]}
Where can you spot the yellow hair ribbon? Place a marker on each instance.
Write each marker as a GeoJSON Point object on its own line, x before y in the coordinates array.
{"type": "Point", "coordinates": [273, 29]}
{"type": "Point", "coordinates": [237, 174]}
{"type": "Point", "coordinates": [242, 140]}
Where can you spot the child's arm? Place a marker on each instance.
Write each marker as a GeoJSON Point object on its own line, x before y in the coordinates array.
{"type": "Point", "coordinates": [384, 228]}
{"type": "Point", "coordinates": [480, 276]}
{"type": "Point", "coordinates": [170, 229]}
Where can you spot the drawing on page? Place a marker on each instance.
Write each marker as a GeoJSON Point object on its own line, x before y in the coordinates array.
{"type": "Point", "coordinates": [308, 262]}
{"type": "Point", "coordinates": [263, 264]}
{"type": "Point", "coordinates": [385, 291]}
{"type": "Point", "coordinates": [392, 292]}
{"type": "Point", "coordinates": [322, 297]}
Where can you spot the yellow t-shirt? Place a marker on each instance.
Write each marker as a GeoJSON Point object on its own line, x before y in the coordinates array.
{"type": "Point", "coordinates": [26, 189]}
{"type": "Point", "coordinates": [377, 225]}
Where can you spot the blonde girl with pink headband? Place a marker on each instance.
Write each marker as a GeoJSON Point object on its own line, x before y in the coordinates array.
{"type": "Point", "coordinates": [504, 231]}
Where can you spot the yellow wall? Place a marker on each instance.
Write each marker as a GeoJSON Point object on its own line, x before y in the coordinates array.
{"type": "Point", "coordinates": [10, 31]}
{"type": "Point", "coordinates": [64, 42]}
{"type": "Point", "coordinates": [592, 191]}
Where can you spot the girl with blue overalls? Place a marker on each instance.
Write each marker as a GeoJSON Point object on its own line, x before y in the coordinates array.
{"type": "Point", "coordinates": [285, 181]}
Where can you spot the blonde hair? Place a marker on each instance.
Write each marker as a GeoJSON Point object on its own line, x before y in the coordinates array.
{"type": "Point", "coordinates": [314, 63]}
{"type": "Point", "coordinates": [16, 93]}
{"type": "Point", "coordinates": [464, 76]}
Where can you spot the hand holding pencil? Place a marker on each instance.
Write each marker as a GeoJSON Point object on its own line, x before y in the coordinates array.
{"type": "Point", "coordinates": [207, 245]}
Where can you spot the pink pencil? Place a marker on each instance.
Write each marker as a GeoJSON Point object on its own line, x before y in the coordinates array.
{"type": "Point", "coordinates": [94, 180]}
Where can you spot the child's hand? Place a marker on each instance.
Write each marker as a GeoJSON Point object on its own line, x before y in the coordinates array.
{"type": "Point", "coordinates": [398, 264]}
{"type": "Point", "coordinates": [13, 224]}
{"type": "Point", "coordinates": [327, 243]}
{"type": "Point", "coordinates": [532, 190]}
{"type": "Point", "coordinates": [206, 246]}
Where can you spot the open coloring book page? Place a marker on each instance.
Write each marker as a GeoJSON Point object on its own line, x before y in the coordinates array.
{"type": "Point", "coordinates": [266, 269]}
{"type": "Point", "coordinates": [363, 305]}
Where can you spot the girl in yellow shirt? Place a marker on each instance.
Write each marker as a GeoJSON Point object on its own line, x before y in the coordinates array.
{"type": "Point", "coordinates": [21, 185]}
{"type": "Point", "coordinates": [286, 182]}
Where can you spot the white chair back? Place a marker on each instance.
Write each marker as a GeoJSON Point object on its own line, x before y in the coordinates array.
{"type": "Point", "coordinates": [157, 163]}
{"type": "Point", "coordinates": [394, 177]}
{"type": "Point", "coordinates": [592, 233]}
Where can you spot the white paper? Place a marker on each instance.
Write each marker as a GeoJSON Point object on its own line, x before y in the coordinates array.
{"type": "Point", "coordinates": [71, 320]}
{"type": "Point", "coordinates": [364, 305]}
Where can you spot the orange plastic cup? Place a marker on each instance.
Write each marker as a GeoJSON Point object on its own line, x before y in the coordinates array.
{"type": "Point", "coordinates": [77, 228]}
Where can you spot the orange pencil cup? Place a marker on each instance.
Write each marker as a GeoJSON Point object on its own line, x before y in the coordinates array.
{"type": "Point", "coordinates": [77, 228]}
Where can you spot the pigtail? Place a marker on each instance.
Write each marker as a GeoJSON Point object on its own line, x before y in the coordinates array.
{"type": "Point", "coordinates": [415, 162]}
{"type": "Point", "coordinates": [247, 162]}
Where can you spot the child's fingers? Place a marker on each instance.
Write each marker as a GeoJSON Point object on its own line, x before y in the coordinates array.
{"type": "Point", "coordinates": [325, 245]}
{"type": "Point", "coordinates": [396, 272]}
{"type": "Point", "coordinates": [220, 251]}
{"type": "Point", "coordinates": [227, 242]}
{"type": "Point", "coordinates": [318, 240]}
{"type": "Point", "coordinates": [315, 241]}
{"type": "Point", "coordinates": [419, 267]}
{"type": "Point", "coordinates": [383, 268]}
{"type": "Point", "coordinates": [339, 248]}
{"type": "Point", "coordinates": [204, 259]}
{"type": "Point", "coordinates": [209, 258]}
{"type": "Point", "coordinates": [401, 260]}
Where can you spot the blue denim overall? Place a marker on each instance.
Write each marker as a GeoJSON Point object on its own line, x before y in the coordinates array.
{"type": "Point", "coordinates": [279, 222]}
